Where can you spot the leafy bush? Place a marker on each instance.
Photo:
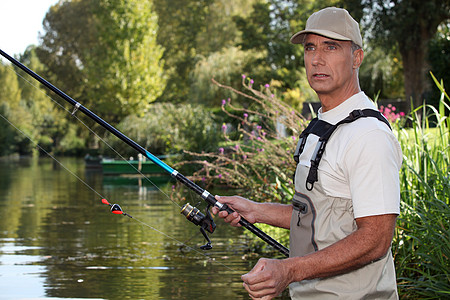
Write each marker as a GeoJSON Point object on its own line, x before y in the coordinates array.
{"type": "Point", "coordinates": [257, 155]}
{"type": "Point", "coordinates": [169, 129]}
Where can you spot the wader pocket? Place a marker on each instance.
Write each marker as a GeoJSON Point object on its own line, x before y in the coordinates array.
{"type": "Point", "coordinates": [302, 228]}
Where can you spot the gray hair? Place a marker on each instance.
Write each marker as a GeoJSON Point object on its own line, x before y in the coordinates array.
{"type": "Point", "coordinates": [355, 47]}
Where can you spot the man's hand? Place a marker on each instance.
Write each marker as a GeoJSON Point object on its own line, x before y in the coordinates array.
{"type": "Point", "coordinates": [267, 279]}
{"type": "Point", "coordinates": [241, 206]}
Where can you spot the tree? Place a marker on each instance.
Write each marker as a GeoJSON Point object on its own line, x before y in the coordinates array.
{"type": "Point", "coordinates": [269, 28]}
{"type": "Point", "coordinates": [125, 70]}
{"type": "Point", "coordinates": [49, 121]}
{"type": "Point", "coordinates": [104, 53]}
{"type": "Point", "coordinates": [191, 30]}
{"type": "Point", "coordinates": [411, 25]}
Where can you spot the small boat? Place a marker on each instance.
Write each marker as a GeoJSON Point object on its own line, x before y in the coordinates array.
{"type": "Point", "coordinates": [132, 166]}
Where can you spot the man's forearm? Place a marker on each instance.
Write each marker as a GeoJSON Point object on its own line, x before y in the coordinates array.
{"type": "Point", "coordinates": [274, 214]}
{"type": "Point", "coordinates": [370, 242]}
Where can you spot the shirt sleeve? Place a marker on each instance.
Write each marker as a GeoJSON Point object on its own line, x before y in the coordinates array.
{"type": "Point", "coordinates": [372, 163]}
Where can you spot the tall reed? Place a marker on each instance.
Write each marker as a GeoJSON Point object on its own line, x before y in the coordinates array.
{"type": "Point", "coordinates": [422, 245]}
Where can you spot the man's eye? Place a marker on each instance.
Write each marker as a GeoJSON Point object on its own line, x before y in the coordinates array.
{"type": "Point", "coordinates": [309, 48]}
{"type": "Point", "coordinates": [331, 47]}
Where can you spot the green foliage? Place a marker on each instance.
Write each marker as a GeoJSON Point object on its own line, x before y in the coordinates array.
{"type": "Point", "coordinates": [422, 242]}
{"type": "Point", "coordinates": [190, 30]}
{"type": "Point", "coordinates": [257, 158]}
{"type": "Point", "coordinates": [49, 121]}
{"type": "Point", "coordinates": [224, 66]}
{"type": "Point", "coordinates": [408, 25]}
{"type": "Point", "coordinates": [439, 58]}
{"type": "Point", "coordinates": [381, 74]}
{"type": "Point", "coordinates": [9, 89]}
{"type": "Point", "coordinates": [124, 72]}
{"type": "Point", "coordinates": [13, 110]}
{"type": "Point", "coordinates": [105, 53]}
{"type": "Point", "coordinates": [170, 129]}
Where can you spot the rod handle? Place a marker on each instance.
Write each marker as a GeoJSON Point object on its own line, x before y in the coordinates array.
{"type": "Point", "coordinates": [258, 232]}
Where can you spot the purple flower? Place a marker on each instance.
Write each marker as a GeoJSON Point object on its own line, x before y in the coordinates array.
{"type": "Point", "coordinates": [267, 85]}
{"type": "Point", "coordinates": [243, 76]}
{"type": "Point", "coordinates": [293, 138]}
{"type": "Point", "coordinates": [245, 115]}
{"type": "Point", "coordinates": [251, 81]}
{"type": "Point", "coordinates": [224, 127]}
{"type": "Point", "coordinates": [221, 150]}
{"type": "Point", "coordinates": [236, 147]}
{"type": "Point", "coordinates": [244, 156]}
{"type": "Point", "coordinates": [223, 102]}
{"type": "Point", "coordinates": [258, 127]}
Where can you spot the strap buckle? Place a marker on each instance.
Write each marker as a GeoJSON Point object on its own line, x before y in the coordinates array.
{"type": "Point", "coordinates": [356, 114]}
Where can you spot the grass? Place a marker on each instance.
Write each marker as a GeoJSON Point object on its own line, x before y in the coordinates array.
{"type": "Point", "coordinates": [422, 245]}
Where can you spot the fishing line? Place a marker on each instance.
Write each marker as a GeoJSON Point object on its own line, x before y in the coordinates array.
{"type": "Point", "coordinates": [93, 132]}
{"type": "Point", "coordinates": [100, 195]}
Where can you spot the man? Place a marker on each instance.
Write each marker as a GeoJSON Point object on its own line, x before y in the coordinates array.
{"type": "Point", "coordinates": [342, 223]}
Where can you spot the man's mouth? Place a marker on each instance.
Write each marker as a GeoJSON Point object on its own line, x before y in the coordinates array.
{"type": "Point", "coordinates": [320, 75]}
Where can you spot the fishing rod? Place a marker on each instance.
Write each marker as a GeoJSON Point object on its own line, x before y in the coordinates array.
{"type": "Point", "coordinates": [191, 213]}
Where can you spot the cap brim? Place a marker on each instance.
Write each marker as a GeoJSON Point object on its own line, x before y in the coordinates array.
{"type": "Point", "coordinates": [299, 37]}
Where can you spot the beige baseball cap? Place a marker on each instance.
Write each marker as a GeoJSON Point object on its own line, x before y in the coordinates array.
{"type": "Point", "coordinates": [334, 23]}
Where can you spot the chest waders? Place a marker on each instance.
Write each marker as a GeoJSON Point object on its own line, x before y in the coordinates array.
{"type": "Point", "coordinates": [320, 220]}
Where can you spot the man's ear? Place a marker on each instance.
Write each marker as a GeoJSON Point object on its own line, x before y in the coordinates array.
{"type": "Point", "coordinates": [358, 56]}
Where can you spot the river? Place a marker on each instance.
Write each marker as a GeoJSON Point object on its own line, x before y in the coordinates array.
{"type": "Point", "coordinates": [57, 240]}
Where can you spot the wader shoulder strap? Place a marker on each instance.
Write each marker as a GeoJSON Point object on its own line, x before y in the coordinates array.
{"type": "Point", "coordinates": [324, 130]}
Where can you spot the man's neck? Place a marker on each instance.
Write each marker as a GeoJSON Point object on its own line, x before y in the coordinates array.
{"type": "Point", "coordinates": [332, 100]}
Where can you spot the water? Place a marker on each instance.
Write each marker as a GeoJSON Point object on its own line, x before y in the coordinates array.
{"type": "Point", "coordinates": [57, 240]}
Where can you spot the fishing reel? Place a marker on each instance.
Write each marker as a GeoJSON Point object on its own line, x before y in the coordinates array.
{"type": "Point", "coordinates": [205, 221]}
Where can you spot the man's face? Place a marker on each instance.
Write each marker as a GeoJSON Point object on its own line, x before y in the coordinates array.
{"type": "Point", "coordinates": [330, 65]}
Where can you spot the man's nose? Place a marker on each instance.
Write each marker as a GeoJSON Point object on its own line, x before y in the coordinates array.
{"type": "Point", "coordinates": [317, 58]}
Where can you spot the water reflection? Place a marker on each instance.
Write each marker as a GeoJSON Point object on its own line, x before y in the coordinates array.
{"type": "Point", "coordinates": [58, 240]}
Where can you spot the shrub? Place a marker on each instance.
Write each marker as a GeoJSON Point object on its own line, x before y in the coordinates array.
{"type": "Point", "coordinates": [169, 129]}
{"type": "Point", "coordinates": [258, 159]}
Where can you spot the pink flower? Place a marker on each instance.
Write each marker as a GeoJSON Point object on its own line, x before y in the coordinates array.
{"type": "Point", "coordinates": [245, 115]}
{"type": "Point", "coordinates": [267, 85]}
{"type": "Point", "coordinates": [221, 150]}
{"type": "Point", "coordinates": [224, 127]}
{"type": "Point", "coordinates": [244, 156]}
{"type": "Point", "coordinates": [243, 76]}
{"type": "Point", "coordinates": [223, 102]}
